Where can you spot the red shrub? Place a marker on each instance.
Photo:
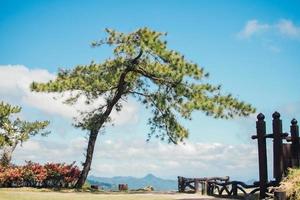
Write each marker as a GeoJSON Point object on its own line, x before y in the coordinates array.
{"type": "Point", "coordinates": [34, 174]}
{"type": "Point", "coordinates": [11, 176]}
{"type": "Point", "coordinates": [37, 175]}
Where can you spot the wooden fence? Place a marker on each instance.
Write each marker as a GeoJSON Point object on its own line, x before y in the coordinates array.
{"type": "Point", "coordinates": [286, 154]}
{"type": "Point", "coordinates": [195, 185]}
{"type": "Point", "coordinates": [286, 150]}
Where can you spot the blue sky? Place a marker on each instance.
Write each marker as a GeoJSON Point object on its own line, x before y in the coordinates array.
{"type": "Point", "coordinates": [250, 47]}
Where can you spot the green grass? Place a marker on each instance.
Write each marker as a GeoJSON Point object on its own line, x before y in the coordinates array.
{"type": "Point", "coordinates": [43, 194]}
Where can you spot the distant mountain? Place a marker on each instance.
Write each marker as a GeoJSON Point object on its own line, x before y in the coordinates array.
{"type": "Point", "coordinates": [157, 183]}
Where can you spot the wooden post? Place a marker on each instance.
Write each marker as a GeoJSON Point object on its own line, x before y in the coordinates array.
{"type": "Point", "coordinates": [234, 189]}
{"type": "Point", "coordinates": [196, 185]}
{"type": "Point", "coordinates": [295, 143]}
{"type": "Point", "coordinates": [123, 187]}
{"type": "Point", "coordinates": [204, 188]}
{"type": "Point", "coordinates": [209, 188]}
{"type": "Point", "coordinates": [280, 195]}
{"type": "Point", "coordinates": [277, 147]}
{"type": "Point", "coordinates": [287, 157]}
{"type": "Point", "coordinates": [262, 154]}
{"type": "Point", "coordinates": [180, 184]}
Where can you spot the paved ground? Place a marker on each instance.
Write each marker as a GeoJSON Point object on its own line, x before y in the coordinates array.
{"type": "Point", "coordinates": [44, 194]}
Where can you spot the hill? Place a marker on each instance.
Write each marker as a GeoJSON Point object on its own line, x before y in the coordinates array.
{"type": "Point", "coordinates": [159, 184]}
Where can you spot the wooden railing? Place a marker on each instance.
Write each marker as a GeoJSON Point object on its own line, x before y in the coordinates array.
{"type": "Point", "coordinates": [286, 153]}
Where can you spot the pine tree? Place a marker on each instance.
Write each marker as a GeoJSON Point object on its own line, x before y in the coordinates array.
{"type": "Point", "coordinates": [14, 131]}
{"type": "Point", "coordinates": [161, 79]}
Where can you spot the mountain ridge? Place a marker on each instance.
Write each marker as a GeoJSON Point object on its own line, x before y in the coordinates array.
{"type": "Point", "coordinates": [111, 183]}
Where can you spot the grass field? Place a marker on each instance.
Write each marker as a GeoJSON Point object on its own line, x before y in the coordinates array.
{"type": "Point", "coordinates": [36, 194]}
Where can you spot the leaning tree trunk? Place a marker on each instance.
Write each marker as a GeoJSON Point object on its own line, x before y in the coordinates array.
{"type": "Point", "coordinates": [121, 88]}
{"type": "Point", "coordinates": [88, 160]}
{"type": "Point", "coordinates": [94, 132]}
{"type": "Point", "coordinates": [6, 155]}
{"type": "Point", "coordinates": [91, 145]}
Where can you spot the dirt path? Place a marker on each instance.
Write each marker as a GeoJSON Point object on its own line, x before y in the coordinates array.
{"type": "Point", "coordinates": [40, 194]}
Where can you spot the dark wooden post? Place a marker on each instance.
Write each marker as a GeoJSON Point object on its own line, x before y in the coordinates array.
{"type": "Point", "coordinates": [209, 188]}
{"type": "Point", "coordinates": [262, 154]}
{"type": "Point", "coordinates": [180, 184]}
{"type": "Point", "coordinates": [277, 147]}
{"type": "Point", "coordinates": [123, 187]}
{"type": "Point", "coordinates": [280, 195]}
{"type": "Point", "coordinates": [234, 189]}
{"type": "Point", "coordinates": [295, 143]}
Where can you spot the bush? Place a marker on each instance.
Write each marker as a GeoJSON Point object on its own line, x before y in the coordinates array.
{"type": "Point", "coordinates": [12, 177]}
{"type": "Point", "coordinates": [291, 184]}
{"type": "Point", "coordinates": [32, 174]}
{"type": "Point", "coordinates": [61, 175]}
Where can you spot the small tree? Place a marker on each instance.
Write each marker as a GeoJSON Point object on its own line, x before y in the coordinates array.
{"type": "Point", "coordinates": [161, 79]}
{"type": "Point", "coordinates": [14, 131]}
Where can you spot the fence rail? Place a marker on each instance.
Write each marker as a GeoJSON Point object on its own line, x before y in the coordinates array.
{"type": "Point", "coordinates": [197, 184]}
{"type": "Point", "coordinates": [286, 154]}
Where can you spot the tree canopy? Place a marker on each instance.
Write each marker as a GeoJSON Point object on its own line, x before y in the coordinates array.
{"type": "Point", "coordinates": [163, 80]}
{"type": "Point", "coordinates": [13, 130]}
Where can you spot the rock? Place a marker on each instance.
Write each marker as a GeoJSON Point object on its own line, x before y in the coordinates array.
{"type": "Point", "coordinates": [148, 188]}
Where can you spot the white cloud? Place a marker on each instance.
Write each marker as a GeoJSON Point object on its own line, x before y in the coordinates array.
{"type": "Point", "coordinates": [288, 28]}
{"type": "Point", "coordinates": [14, 87]}
{"type": "Point", "coordinates": [290, 110]}
{"type": "Point", "coordinates": [15, 79]}
{"type": "Point", "coordinates": [137, 158]}
{"type": "Point", "coordinates": [49, 151]}
{"type": "Point", "coordinates": [284, 27]}
{"type": "Point", "coordinates": [192, 159]}
{"type": "Point", "coordinates": [251, 28]}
